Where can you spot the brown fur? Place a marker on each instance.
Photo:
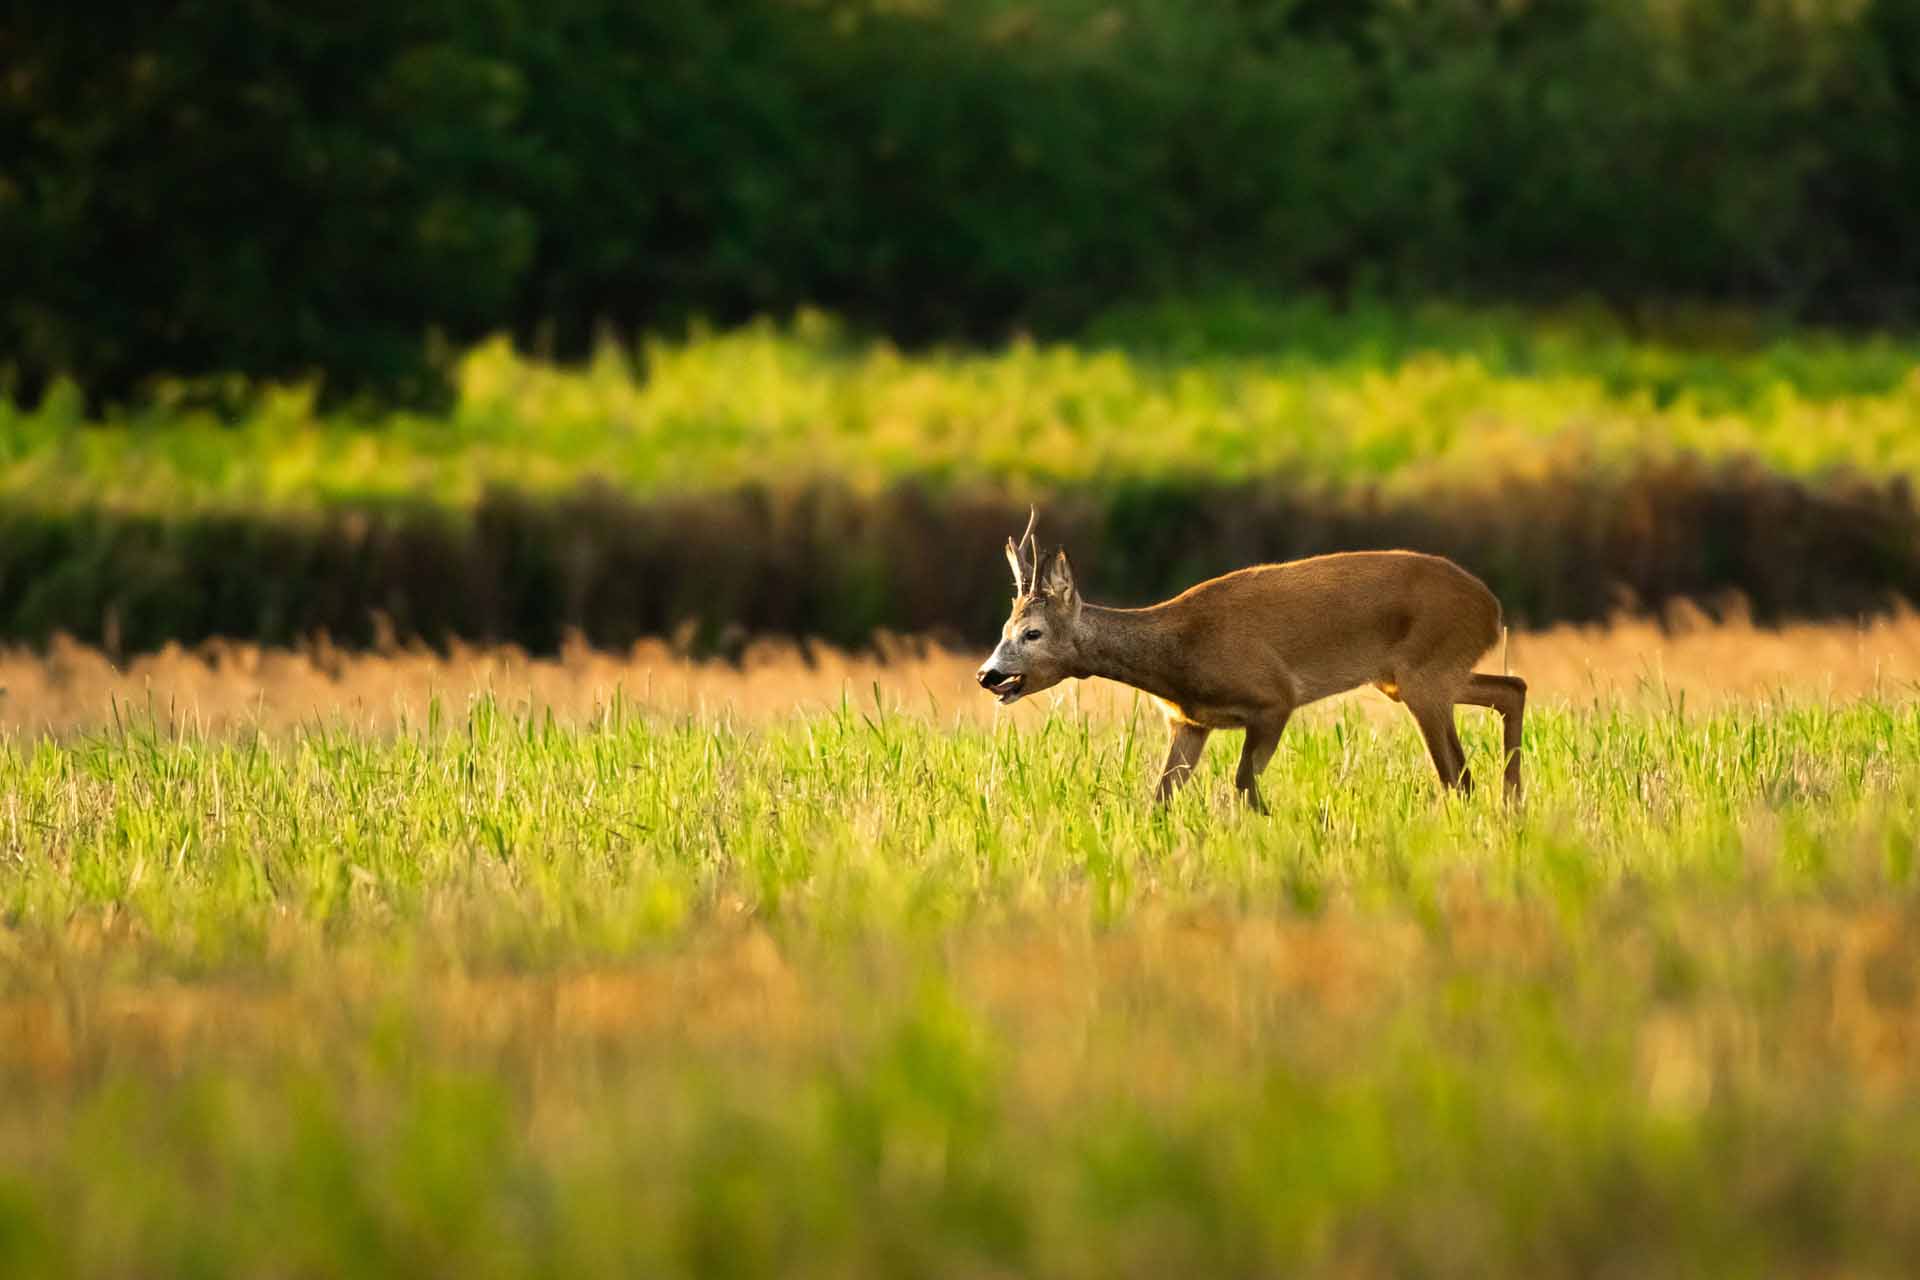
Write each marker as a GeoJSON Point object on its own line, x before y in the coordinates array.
{"type": "Point", "coordinates": [1244, 650]}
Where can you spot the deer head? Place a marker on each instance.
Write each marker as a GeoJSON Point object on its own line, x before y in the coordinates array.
{"type": "Point", "coordinates": [1038, 645]}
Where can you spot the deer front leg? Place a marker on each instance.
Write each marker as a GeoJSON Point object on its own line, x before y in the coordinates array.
{"type": "Point", "coordinates": [1263, 736]}
{"type": "Point", "coordinates": [1183, 753]}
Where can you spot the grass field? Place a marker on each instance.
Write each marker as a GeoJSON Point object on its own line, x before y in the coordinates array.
{"type": "Point", "coordinates": [866, 991]}
{"type": "Point", "coordinates": [473, 963]}
{"type": "Point", "coordinates": [1410, 400]}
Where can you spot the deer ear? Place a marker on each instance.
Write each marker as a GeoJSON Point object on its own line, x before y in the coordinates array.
{"type": "Point", "coordinates": [1019, 570]}
{"type": "Point", "coordinates": [1059, 578]}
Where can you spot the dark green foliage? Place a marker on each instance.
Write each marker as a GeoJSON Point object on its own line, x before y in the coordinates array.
{"type": "Point", "coordinates": [715, 569]}
{"type": "Point", "coordinates": [213, 186]}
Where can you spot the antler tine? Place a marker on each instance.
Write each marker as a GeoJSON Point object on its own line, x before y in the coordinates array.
{"type": "Point", "coordinates": [1029, 550]}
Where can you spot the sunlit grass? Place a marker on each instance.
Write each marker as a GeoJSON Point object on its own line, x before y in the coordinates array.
{"type": "Point", "coordinates": [1402, 399]}
{"type": "Point", "coordinates": [864, 992]}
{"type": "Point", "coordinates": [603, 839]}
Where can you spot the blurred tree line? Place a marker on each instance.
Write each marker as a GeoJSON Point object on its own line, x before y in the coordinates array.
{"type": "Point", "coordinates": [208, 186]}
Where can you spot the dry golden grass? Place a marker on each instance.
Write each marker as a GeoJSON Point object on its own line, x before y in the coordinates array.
{"type": "Point", "coordinates": [221, 685]}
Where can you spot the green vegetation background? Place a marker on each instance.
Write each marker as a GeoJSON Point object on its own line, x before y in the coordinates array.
{"type": "Point", "coordinates": [799, 479]}
{"type": "Point", "coordinates": [213, 186]}
{"type": "Point", "coordinates": [268, 269]}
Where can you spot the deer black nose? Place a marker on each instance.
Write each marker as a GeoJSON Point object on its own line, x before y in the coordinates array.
{"type": "Point", "coordinates": [988, 677]}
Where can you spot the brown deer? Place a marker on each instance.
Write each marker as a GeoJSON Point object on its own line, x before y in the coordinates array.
{"type": "Point", "coordinates": [1244, 650]}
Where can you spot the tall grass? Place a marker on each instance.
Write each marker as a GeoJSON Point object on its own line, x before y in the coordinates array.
{"type": "Point", "coordinates": [1408, 400]}
{"type": "Point", "coordinates": [861, 993]}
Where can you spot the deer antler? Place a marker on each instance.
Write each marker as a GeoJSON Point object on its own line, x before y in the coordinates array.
{"type": "Point", "coordinates": [1023, 558]}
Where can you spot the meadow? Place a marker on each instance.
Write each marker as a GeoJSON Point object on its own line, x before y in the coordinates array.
{"type": "Point", "coordinates": [491, 960]}
{"type": "Point", "coordinates": [879, 985]}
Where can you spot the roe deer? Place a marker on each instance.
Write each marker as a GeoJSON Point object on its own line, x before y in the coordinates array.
{"type": "Point", "coordinates": [1242, 651]}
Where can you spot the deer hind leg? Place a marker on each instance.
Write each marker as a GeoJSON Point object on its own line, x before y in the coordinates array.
{"type": "Point", "coordinates": [1459, 755]}
{"type": "Point", "coordinates": [1508, 696]}
{"type": "Point", "coordinates": [1263, 736]}
{"type": "Point", "coordinates": [1183, 753]}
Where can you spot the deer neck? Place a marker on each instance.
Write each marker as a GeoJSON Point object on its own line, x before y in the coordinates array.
{"type": "Point", "coordinates": [1127, 645]}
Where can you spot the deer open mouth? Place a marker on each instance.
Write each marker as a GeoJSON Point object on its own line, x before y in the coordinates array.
{"type": "Point", "coordinates": [1008, 690]}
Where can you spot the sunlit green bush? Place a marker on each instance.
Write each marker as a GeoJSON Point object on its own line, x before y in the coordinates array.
{"type": "Point", "coordinates": [1402, 400]}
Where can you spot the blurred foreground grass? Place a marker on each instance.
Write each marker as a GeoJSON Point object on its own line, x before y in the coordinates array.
{"type": "Point", "coordinates": [1410, 399]}
{"type": "Point", "coordinates": [853, 993]}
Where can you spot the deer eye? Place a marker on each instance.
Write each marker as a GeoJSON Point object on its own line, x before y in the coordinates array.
{"type": "Point", "coordinates": [1034, 634]}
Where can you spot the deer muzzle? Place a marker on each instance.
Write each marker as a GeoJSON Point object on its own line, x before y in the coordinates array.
{"type": "Point", "coordinates": [1000, 684]}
